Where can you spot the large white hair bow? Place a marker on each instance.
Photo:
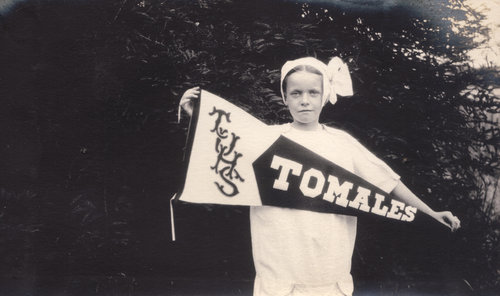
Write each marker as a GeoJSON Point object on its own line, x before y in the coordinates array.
{"type": "Point", "coordinates": [336, 77]}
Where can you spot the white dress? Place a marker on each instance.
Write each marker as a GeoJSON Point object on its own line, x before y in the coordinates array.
{"type": "Point", "coordinates": [298, 252]}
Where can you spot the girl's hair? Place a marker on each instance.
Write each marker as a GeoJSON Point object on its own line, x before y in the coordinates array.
{"type": "Point", "coordinates": [305, 68]}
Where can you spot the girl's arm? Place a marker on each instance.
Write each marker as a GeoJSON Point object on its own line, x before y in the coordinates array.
{"type": "Point", "coordinates": [446, 217]}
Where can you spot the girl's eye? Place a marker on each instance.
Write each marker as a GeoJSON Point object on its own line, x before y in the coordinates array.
{"type": "Point", "coordinates": [314, 93]}
{"type": "Point", "coordinates": [294, 94]}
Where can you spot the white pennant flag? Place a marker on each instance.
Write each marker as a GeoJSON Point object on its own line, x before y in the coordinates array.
{"type": "Point", "coordinates": [235, 159]}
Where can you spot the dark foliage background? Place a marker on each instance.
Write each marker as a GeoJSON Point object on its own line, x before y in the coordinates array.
{"type": "Point", "coordinates": [91, 151]}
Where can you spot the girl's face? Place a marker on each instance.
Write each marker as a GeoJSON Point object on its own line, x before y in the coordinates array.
{"type": "Point", "coordinates": [303, 96]}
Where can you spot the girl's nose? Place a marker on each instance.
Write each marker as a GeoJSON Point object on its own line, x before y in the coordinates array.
{"type": "Point", "coordinates": [305, 99]}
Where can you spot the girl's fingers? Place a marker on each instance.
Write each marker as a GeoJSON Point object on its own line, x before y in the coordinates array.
{"type": "Point", "coordinates": [451, 221]}
{"type": "Point", "coordinates": [190, 94]}
{"type": "Point", "coordinates": [187, 99]}
{"type": "Point", "coordinates": [455, 222]}
{"type": "Point", "coordinates": [448, 224]}
{"type": "Point", "coordinates": [444, 220]}
{"type": "Point", "coordinates": [448, 219]}
{"type": "Point", "coordinates": [194, 90]}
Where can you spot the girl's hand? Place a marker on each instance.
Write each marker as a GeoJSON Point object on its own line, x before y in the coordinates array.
{"type": "Point", "coordinates": [187, 99]}
{"type": "Point", "coordinates": [447, 219]}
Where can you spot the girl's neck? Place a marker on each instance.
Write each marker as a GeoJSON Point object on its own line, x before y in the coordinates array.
{"type": "Point", "coordinates": [307, 127]}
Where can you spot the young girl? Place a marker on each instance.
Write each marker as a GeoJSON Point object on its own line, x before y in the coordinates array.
{"type": "Point", "coordinates": [300, 252]}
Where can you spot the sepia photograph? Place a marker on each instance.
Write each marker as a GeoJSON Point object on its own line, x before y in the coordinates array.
{"type": "Point", "coordinates": [249, 147]}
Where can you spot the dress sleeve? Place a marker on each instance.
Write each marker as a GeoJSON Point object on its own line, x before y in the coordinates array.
{"type": "Point", "coordinates": [370, 167]}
